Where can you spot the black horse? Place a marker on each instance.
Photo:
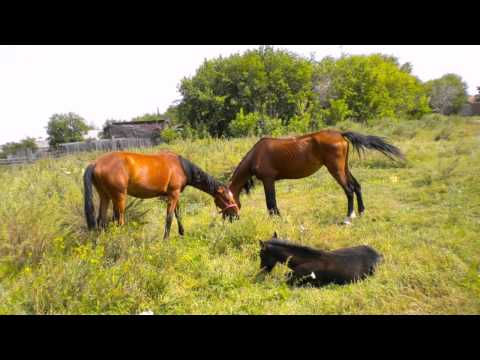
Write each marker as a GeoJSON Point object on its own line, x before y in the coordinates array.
{"type": "Point", "coordinates": [317, 267]}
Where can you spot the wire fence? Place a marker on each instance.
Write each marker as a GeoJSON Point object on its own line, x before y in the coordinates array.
{"type": "Point", "coordinates": [28, 156]}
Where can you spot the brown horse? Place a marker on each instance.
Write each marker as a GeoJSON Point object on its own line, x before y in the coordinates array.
{"type": "Point", "coordinates": [164, 174]}
{"type": "Point", "coordinates": [273, 159]}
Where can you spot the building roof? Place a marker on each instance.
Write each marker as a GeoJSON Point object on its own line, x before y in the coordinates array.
{"type": "Point", "coordinates": [41, 143]}
{"type": "Point", "coordinates": [139, 122]}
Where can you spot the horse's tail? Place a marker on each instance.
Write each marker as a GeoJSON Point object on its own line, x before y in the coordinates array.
{"type": "Point", "coordinates": [362, 142]}
{"type": "Point", "coordinates": [88, 196]}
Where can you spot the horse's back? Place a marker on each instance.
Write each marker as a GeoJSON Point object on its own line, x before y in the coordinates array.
{"type": "Point", "coordinates": [141, 175]}
{"type": "Point", "coordinates": [348, 265]}
{"type": "Point", "coordinates": [139, 159]}
{"type": "Point", "coordinates": [356, 262]}
{"type": "Point", "coordinates": [300, 156]}
{"type": "Point", "coordinates": [361, 251]}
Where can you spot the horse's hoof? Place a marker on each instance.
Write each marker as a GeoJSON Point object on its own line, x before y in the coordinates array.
{"type": "Point", "coordinates": [347, 221]}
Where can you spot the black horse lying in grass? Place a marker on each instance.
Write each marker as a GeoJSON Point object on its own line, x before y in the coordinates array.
{"type": "Point", "coordinates": [317, 267]}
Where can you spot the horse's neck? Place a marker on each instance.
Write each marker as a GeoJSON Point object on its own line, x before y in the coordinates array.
{"type": "Point", "coordinates": [283, 255]}
{"type": "Point", "coordinates": [198, 178]}
{"type": "Point", "coordinates": [239, 178]}
{"type": "Point", "coordinates": [206, 184]}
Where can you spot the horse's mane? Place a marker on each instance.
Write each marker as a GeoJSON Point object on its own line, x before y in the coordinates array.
{"type": "Point", "coordinates": [198, 178]}
{"type": "Point", "coordinates": [300, 249]}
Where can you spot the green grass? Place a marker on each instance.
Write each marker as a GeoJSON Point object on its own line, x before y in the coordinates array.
{"type": "Point", "coordinates": [423, 216]}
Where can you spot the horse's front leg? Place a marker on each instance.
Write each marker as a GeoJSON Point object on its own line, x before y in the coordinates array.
{"type": "Point", "coordinates": [172, 204]}
{"type": "Point", "coordinates": [269, 187]}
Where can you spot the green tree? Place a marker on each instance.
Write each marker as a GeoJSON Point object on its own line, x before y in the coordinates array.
{"type": "Point", "coordinates": [13, 148]}
{"type": "Point", "coordinates": [366, 87]}
{"type": "Point", "coordinates": [447, 94]}
{"type": "Point", "coordinates": [64, 128]}
{"type": "Point", "coordinates": [272, 83]}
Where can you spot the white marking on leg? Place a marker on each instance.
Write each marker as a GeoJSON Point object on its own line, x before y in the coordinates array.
{"type": "Point", "coordinates": [352, 215]}
{"type": "Point", "coordinates": [313, 275]}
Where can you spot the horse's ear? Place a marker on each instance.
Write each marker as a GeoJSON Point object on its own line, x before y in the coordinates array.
{"type": "Point", "coordinates": [275, 236]}
{"type": "Point", "coordinates": [262, 244]}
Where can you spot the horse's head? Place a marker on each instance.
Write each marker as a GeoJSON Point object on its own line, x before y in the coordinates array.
{"type": "Point", "coordinates": [267, 258]}
{"type": "Point", "coordinates": [225, 201]}
{"type": "Point", "coordinates": [236, 195]}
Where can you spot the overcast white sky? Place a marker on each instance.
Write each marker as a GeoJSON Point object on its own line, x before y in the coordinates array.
{"type": "Point", "coordinates": [120, 82]}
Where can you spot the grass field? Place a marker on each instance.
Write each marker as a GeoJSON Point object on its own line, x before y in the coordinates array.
{"type": "Point", "coordinates": [423, 216]}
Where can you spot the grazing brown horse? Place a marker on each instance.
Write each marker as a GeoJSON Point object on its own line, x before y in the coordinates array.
{"type": "Point", "coordinates": [164, 174]}
{"type": "Point", "coordinates": [318, 267]}
{"type": "Point", "coordinates": [273, 159]}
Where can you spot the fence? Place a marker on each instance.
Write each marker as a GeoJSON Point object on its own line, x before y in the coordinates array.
{"type": "Point", "coordinates": [27, 156]}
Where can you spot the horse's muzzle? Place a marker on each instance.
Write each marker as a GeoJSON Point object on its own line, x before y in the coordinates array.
{"type": "Point", "coordinates": [231, 217]}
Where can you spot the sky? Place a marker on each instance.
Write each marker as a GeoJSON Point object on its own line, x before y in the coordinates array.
{"type": "Point", "coordinates": [121, 82]}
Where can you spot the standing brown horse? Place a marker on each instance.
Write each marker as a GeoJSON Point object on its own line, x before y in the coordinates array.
{"type": "Point", "coordinates": [273, 159]}
{"type": "Point", "coordinates": [117, 174]}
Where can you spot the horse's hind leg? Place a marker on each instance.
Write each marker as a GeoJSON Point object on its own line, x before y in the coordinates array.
{"type": "Point", "coordinates": [358, 191]}
{"type": "Point", "coordinates": [269, 187]}
{"type": "Point", "coordinates": [172, 204]}
{"type": "Point", "coordinates": [104, 203]}
{"type": "Point", "coordinates": [102, 213]}
{"type": "Point", "coordinates": [179, 219]}
{"type": "Point", "coordinates": [338, 172]}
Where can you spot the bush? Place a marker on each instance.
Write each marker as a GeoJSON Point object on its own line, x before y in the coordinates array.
{"type": "Point", "coordinates": [255, 124]}
{"type": "Point", "coordinates": [300, 124]}
{"type": "Point", "coordinates": [337, 112]}
{"type": "Point", "coordinates": [271, 126]}
{"type": "Point", "coordinates": [244, 125]}
{"type": "Point", "coordinates": [170, 134]}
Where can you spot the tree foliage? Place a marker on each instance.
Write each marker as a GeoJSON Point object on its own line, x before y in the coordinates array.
{"type": "Point", "coordinates": [272, 83]}
{"type": "Point", "coordinates": [366, 87]}
{"type": "Point", "coordinates": [302, 93]}
{"type": "Point", "coordinates": [255, 124]}
{"type": "Point", "coordinates": [65, 128]}
{"type": "Point", "coordinates": [447, 94]}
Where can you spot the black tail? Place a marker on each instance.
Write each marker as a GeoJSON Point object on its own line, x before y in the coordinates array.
{"type": "Point", "coordinates": [88, 196]}
{"type": "Point", "coordinates": [362, 142]}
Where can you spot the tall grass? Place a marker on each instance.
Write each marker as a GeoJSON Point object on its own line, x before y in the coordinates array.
{"type": "Point", "coordinates": [423, 216]}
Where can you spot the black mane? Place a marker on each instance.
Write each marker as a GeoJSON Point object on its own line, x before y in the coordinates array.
{"type": "Point", "coordinates": [198, 178]}
{"type": "Point", "coordinates": [300, 249]}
